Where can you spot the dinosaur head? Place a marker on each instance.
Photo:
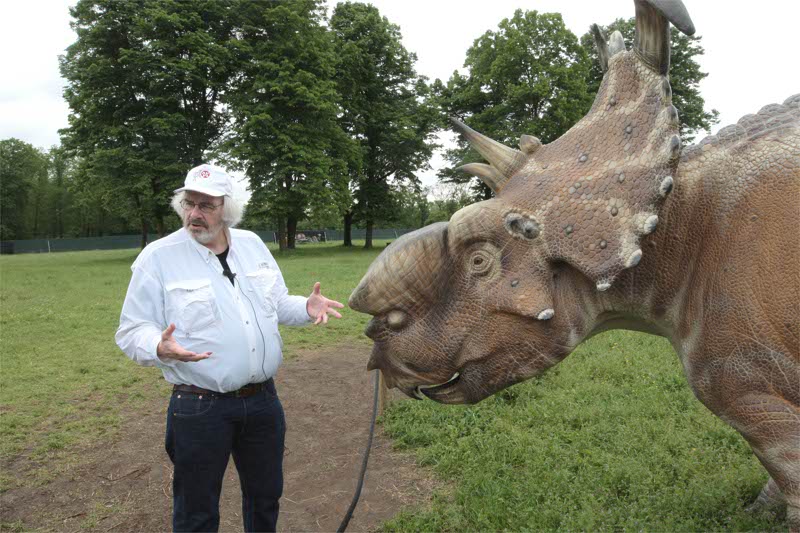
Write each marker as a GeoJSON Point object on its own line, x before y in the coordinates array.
{"type": "Point", "coordinates": [500, 293]}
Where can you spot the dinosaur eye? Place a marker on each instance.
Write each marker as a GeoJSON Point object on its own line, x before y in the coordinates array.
{"type": "Point", "coordinates": [482, 259]}
{"type": "Point", "coordinates": [481, 262]}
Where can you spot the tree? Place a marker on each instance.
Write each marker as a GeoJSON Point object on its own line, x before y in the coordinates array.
{"type": "Point", "coordinates": [684, 74]}
{"type": "Point", "coordinates": [39, 199]}
{"type": "Point", "coordinates": [385, 111]}
{"type": "Point", "coordinates": [94, 208]}
{"type": "Point", "coordinates": [144, 87]}
{"type": "Point", "coordinates": [22, 167]}
{"type": "Point", "coordinates": [527, 77]}
{"type": "Point", "coordinates": [284, 106]}
{"type": "Point", "coordinates": [412, 209]}
{"type": "Point", "coordinates": [446, 199]}
{"type": "Point", "coordinates": [60, 170]}
{"type": "Point", "coordinates": [107, 102]}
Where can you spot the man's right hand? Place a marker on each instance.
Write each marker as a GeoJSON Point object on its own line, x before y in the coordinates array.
{"type": "Point", "coordinates": [169, 348]}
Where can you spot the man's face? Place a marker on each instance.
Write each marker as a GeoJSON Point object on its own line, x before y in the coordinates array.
{"type": "Point", "coordinates": [204, 227]}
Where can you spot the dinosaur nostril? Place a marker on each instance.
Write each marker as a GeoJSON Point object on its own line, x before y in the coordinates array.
{"type": "Point", "coordinates": [373, 328]}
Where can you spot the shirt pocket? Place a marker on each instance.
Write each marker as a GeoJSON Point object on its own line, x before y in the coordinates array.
{"type": "Point", "coordinates": [261, 282]}
{"type": "Point", "coordinates": [193, 305]}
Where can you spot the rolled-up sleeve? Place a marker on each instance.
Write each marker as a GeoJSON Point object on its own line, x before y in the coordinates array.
{"type": "Point", "coordinates": [142, 320]}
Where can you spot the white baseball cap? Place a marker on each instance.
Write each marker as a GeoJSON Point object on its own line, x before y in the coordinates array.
{"type": "Point", "coordinates": [208, 179]}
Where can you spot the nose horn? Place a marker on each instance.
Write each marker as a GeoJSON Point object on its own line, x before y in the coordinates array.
{"type": "Point", "coordinates": [405, 275]}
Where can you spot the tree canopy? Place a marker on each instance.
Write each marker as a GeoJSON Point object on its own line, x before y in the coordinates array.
{"type": "Point", "coordinates": [144, 81]}
{"type": "Point", "coordinates": [22, 169]}
{"type": "Point", "coordinates": [527, 77]}
{"type": "Point", "coordinates": [284, 106]}
{"type": "Point", "coordinates": [328, 119]}
{"type": "Point", "coordinates": [385, 111]}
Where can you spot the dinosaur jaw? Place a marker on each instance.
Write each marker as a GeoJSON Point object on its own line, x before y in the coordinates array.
{"type": "Point", "coordinates": [440, 391]}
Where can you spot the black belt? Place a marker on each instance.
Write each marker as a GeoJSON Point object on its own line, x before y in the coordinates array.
{"type": "Point", "coordinates": [248, 390]}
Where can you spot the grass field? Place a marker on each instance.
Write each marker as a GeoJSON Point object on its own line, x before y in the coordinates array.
{"type": "Point", "coordinates": [610, 439]}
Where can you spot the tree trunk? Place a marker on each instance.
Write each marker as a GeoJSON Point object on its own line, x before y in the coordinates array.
{"type": "Point", "coordinates": [36, 219]}
{"type": "Point", "coordinates": [348, 228]}
{"type": "Point", "coordinates": [291, 231]}
{"type": "Point", "coordinates": [145, 229]}
{"type": "Point", "coordinates": [160, 226]}
{"type": "Point", "coordinates": [60, 223]}
{"type": "Point", "coordinates": [368, 236]}
{"type": "Point", "coordinates": [281, 235]}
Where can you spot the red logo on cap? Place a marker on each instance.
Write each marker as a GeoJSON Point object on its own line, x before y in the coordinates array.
{"type": "Point", "coordinates": [205, 174]}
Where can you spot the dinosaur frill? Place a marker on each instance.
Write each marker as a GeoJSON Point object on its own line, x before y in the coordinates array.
{"type": "Point", "coordinates": [595, 191]}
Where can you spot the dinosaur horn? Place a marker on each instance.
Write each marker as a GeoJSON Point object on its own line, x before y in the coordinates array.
{"type": "Point", "coordinates": [407, 275]}
{"type": "Point", "coordinates": [504, 159]}
{"type": "Point", "coordinates": [602, 47]}
{"type": "Point", "coordinates": [487, 173]}
{"type": "Point", "coordinates": [652, 30]}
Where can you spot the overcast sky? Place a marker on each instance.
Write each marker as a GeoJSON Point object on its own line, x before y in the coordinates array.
{"type": "Point", "coordinates": [752, 50]}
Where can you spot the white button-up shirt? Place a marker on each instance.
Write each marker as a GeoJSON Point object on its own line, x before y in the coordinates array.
{"type": "Point", "coordinates": [177, 280]}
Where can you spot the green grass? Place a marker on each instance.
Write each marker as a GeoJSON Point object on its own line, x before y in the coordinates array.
{"type": "Point", "coordinates": [611, 439]}
{"type": "Point", "coordinates": [64, 382]}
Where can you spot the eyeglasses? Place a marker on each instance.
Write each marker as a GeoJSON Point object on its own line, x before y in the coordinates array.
{"type": "Point", "coordinates": [205, 207]}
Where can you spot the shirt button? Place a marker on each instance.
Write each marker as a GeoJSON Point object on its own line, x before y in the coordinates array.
{"type": "Point", "coordinates": [247, 322]}
{"type": "Point", "coordinates": [253, 350]}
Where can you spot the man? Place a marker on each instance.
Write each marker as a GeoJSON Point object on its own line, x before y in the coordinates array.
{"type": "Point", "coordinates": [204, 305]}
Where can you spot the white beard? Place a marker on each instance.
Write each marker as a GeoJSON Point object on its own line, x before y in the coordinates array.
{"type": "Point", "coordinates": [204, 236]}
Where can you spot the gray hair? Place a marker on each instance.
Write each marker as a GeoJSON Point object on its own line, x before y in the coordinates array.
{"type": "Point", "coordinates": [232, 208]}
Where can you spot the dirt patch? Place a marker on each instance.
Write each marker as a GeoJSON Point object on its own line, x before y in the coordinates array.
{"type": "Point", "coordinates": [125, 484]}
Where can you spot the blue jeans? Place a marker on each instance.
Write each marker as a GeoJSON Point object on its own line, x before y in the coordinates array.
{"type": "Point", "coordinates": [202, 432]}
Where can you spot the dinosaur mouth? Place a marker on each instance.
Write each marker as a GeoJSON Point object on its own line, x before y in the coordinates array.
{"type": "Point", "coordinates": [422, 392]}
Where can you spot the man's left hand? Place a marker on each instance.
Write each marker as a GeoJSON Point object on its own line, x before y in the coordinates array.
{"type": "Point", "coordinates": [319, 307]}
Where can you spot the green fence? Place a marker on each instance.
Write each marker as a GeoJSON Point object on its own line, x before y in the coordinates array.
{"type": "Point", "coordinates": [114, 242]}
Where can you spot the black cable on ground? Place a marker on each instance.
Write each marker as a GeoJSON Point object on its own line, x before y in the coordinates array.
{"type": "Point", "coordinates": [349, 514]}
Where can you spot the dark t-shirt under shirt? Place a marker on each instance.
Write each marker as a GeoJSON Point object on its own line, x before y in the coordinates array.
{"type": "Point", "coordinates": [226, 270]}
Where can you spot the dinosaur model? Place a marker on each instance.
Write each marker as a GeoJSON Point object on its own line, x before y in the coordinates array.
{"type": "Point", "coordinates": [615, 225]}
